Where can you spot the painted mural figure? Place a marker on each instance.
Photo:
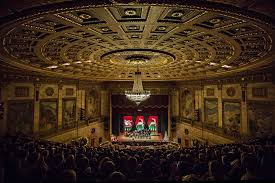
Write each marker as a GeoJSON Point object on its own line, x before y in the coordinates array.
{"type": "Point", "coordinates": [20, 117]}
{"type": "Point", "coordinates": [69, 113]}
{"type": "Point", "coordinates": [93, 104]}
{"type": "Point", "coordinates": [232, 117]}
{"type": "Point", "coordinates": [48, 116]}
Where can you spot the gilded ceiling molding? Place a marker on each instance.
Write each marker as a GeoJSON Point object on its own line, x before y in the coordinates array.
{"type": "Point", "coordinates": [107, 40]}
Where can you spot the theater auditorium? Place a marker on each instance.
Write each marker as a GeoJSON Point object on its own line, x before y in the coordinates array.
{"type": "Point", "coordinates": [137, 90]}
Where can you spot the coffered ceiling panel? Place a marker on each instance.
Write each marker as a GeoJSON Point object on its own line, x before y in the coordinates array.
{"type": "Point", "coordinates": [109, 41]}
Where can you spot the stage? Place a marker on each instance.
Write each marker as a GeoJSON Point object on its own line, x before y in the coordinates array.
{"type": "Point", "coordinates": [153, 138]}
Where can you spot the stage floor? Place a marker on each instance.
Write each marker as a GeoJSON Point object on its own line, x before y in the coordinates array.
{"type": "Point", "coordinates": [154, 138]}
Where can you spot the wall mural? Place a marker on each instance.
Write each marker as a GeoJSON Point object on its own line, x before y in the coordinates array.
{"type": "Point", "coordinates": [187, 104]}
{"type": "Point", "coordinates": [211, 112]}
{"type": "Point", "coordinates": [20, 117]}
{"type": "Point", "coordinates": [260, 118]}
{"type": "Point", "coordinates": [48, 115]}
{"type": "Point", "coordinates": [231, 117]}
{"type": "Point", "coordinates": [92, 104]}
{"type": "Point", "coordinates": [69, 113]}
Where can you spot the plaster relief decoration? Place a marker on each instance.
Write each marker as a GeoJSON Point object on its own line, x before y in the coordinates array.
{"type": "Point", "coordinates": [48, 115]}
{"type": "Point", "coordinates": [92, 104]}
{"type": "Point", "coordinates": [211, 112]}
{"type": "Point", "coordinates": [49, 91]}
{"type": "Point", "coordinates": [20, 117]}
{"type": "Point", "coordinates": [260, 118]}
{"type": "Point", "coordinates": [69, 91]}
{"type": "Point", "coordinates": [210, 92]}
{"type": "Point", "coordinates": [231, 117]}
{"type": "Point", "coordinates": [259, 92]}
{"type": "Point", "coordinates": [21, 91]}
{"type": "Point", "coordinates": [231, 91]}
{"type": "Point", "coordinates": [187, 104]}
{"type": "Point", "coordinates": [69, 113]}
{"type": "Point", "coordinates": [100, 40]}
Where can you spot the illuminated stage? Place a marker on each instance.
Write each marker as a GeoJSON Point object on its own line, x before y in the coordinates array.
{"type": "Point", "coordinates": [153, 138]}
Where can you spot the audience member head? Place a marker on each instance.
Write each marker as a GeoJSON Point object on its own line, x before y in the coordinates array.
{"type": "Point", "coordinates": [68, 175]}
{"type": "Point", "coordinates": [216, 170]}
{"type": "Point", "coordinates": [117, 176]}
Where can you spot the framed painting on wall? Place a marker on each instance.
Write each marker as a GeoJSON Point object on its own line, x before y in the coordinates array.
{"type": "Point", "coordinates": [69, 113]}
{"type": "Point", "coordinates": [187, 104]}
{"type": "Point", "coordinates": [260, 118]}
{"type": "Point", "coordinates": [211, 111]}
{"type": "Point", "coordinates": [20, 117]}
{"type": "Point", "coordinates": [92, 104]}
{"type": "Point", "coordinates": [48, 115]}
{"type": "Point", "coordinates": [232, 116]}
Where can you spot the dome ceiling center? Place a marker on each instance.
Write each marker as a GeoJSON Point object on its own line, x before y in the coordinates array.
{"type": "Point", "coordinates": [107, 42]}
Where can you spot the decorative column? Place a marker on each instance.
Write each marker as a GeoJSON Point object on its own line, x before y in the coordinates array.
{"type": "Point", "coordinates": [175, 103]}
{"type": "Point", "coordinates": [169, 118]}
{"type": "Point", "coordinates": [202, 103]}
{"type": "Point", "coordinates": [4, 108]}
{"type": "Point", "coordinates": [220, 107]}
{"type": "Point", "coordinates": [36, 111]}
{"type": "Point", "coordinates": [80, 101]}
{"type": "Point", "coordinates": [104, 112]}
{"type": "Point", "coordinates": [273, 122]}
{"type": "Point", "coordinates": [244, 120]}
{"type": "Point", "coordinates": [174, 110]}
{"type": "Point", "coordinates": [60, 105]}
{"type": "Point", "coordinates": [273, 111]}
{"type": "Point", "coordinates": [110, 115]}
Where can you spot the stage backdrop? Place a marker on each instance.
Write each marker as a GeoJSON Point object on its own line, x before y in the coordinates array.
{"type": "Point", "coordinates": [155, 108]}
{"type": "Point", "coordinates": [141, 122]}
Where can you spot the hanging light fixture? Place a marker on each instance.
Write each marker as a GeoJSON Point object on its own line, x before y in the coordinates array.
{"type": "Point", "coordinates": [137, 94]}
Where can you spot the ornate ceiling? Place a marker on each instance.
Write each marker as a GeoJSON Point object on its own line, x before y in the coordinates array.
{"type": "Point", "coordinates": [109, 40]}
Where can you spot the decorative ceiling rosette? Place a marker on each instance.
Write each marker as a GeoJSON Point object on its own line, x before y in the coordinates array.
{"type": "Point", "coordinates": [107, 40]}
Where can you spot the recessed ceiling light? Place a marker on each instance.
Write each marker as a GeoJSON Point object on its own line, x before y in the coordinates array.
{"type": "Point", "coordinates": [198, 61]}
{"type": "Point", "coordinates": [52, 67]}
{"type": "Point", "coordinates": [227, 66]}
{"type": "Point", "coordinates": [215, 20]}
{"type": "Point", "coordinates": [88, 61]}
{"type": "Point", "coordinates": [212, 63]}
{"type": "Point", "coordinates": [66, 64]}
{"type": "Point", "coordinates": [78, 62]}
{"type": "Point", "coordinates": [130, 12]}
{"type": "Point", "coordinates": [85, 16]}
{"type": "Point", "coordinates": [177, 14]}
{"type": "Point", "coordinates": [133, 27]}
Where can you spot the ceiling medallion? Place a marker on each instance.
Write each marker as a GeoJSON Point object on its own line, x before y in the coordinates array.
{"type": "Point", "coordinates": [231, 92]}
{"type": "Point", "coordinates": [177, 14]}
{"type": "Point", "coordinates": [161, 28]}
{"type": "Point", "coordinates": [49, 91]}
{"type": "Point", "coordinates": [142, 57]}
{"type": "Point", "coordinates": [130, 12]}
{"type": "Point", "coordinates": [215, 20]}
{"type": "Point", "coordinates": [85, 16]}
{"type": "Point", "coordinates": [102, 41]}
{"type": "Point", "coordinates": [137, 59]}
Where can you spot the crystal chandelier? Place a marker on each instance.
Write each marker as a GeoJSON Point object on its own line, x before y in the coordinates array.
{"type": "Point", "coordinates": [137, 94]}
